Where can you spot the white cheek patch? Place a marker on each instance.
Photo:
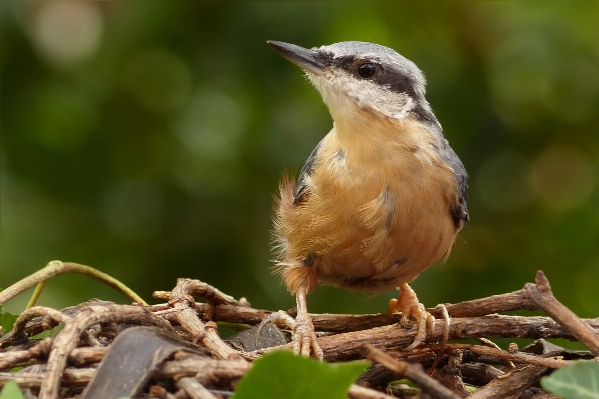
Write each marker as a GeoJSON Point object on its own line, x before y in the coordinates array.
{"type": "Point", "coordinates": [341, 91]}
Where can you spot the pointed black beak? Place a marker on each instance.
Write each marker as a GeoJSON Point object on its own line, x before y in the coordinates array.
{"type": "Point", "coordinates": [302, 57]}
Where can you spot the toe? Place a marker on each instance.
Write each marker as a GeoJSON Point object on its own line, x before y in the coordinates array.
{"type": "Point", "coordinates": [407, 303]}
{"type": "Point", "coordinates": [422, 318]}
{"type": "Point", "coordinates": [305, 339]}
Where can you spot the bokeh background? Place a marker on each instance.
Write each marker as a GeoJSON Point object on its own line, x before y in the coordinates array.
{"type": "Point", "coordinates": [146, 139]}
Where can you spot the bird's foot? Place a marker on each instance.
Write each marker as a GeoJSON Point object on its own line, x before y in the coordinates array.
{"type": "Point", "coordinates": [303, 336]}
{"type": "Point", "coordinates": [410, 307]}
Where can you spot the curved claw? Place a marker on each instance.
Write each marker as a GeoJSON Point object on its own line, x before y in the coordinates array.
{"type": "Point", "coordinates": [407, 303]}
{"type": "Point", "coordinates": [277, 317]}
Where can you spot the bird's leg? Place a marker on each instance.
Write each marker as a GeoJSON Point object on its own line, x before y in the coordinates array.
{"type": "Point", "coordinates": [304, 338]}
{"type": "Point", "coordinates": [407, 303]}
{"type": "Point", "coordinates": [303, 335]}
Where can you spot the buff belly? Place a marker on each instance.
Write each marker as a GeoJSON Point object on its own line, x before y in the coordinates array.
{"type": "Point", "coordinates": [370, 228]}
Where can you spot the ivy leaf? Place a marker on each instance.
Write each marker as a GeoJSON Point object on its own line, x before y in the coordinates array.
{"type": "Point", "coordinates": [579, 380]}
{"type": "Point", "coordinates": [11, 391]}
{"type": "Point", "coordinates": [284, 375]}
{"type": "Point", "coordinates": [7, 320]}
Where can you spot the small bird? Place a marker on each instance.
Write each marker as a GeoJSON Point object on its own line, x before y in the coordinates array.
{"type": "Point", "coordinates": [381, 197]}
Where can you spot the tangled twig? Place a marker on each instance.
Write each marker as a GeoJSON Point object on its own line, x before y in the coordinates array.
{"type": "Point", "coordinates": [70, 358]}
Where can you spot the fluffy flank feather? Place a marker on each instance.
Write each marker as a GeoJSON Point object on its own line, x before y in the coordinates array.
{"type": "Point", "coordinates": [293, 272]}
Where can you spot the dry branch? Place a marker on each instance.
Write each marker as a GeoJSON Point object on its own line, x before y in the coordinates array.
{"type": "Point", "coordinates": [413, 372]}
{"type": "Point", "coordinates": [71, 358]}
{"type": "Point", "coordinates": [542, 296]}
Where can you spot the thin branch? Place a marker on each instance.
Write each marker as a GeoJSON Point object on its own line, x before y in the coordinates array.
{"type": "Point", "coordinates": [16, 358]}
{"type": "Point", "coordinates": [36, 294]}
{"type": "Point", "coordinates": [57, 267]}
{"type": "Point", "coordinates": [342, 337]}
{"type": "Point", "coordinates": [194, 389]}
{"type": "Point", "coordinates": [519, 357]}
{"type": "Point", "coordinates": [199, 289]}
{"type": "Point", "coordinates": [543, 297]}
{"type": "Point", "coordinates": [412, 372]}
{"type": "Point", "coordinates": [182, 300]}
{"type": "Point", "coordinates": [68, 338]}
{"type": "Point", "coordinates": [36, 311]}
{"type": "Point", "coordinates": [516, 300]}
{"type": "Point", "coordinates": [510, 385]}
{"type": "Point", "coordinates": [360, 392]}
{"type": "Point", "coordinates": [349, 346]}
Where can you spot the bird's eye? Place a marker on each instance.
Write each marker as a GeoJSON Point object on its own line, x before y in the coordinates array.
{"type": "Point", "coordinates": [367, 70]}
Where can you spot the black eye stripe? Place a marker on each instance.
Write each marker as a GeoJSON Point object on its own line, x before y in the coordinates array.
{"type": "Point", "coordinates": [384, 75]}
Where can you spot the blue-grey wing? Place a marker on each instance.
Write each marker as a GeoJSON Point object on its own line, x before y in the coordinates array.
{"type": "Point", "coordinates": [304, 173]}
{"type": "Point", "coordinates": [459, 211]}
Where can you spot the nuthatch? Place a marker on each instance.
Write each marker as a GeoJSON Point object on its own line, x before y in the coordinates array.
{"type": "Point", "coordinates": [382, 196]}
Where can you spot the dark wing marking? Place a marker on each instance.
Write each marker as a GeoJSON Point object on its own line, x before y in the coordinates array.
{"type": "Point", "coordinates": [423, 112]}
{"type": "Point", "coordinates": [305, 172]}
{"type": "Point", "coordinates": [459, 211]}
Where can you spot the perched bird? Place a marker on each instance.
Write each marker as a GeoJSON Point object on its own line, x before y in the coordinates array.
{"type": "Point", "coordinates": [382, 196]}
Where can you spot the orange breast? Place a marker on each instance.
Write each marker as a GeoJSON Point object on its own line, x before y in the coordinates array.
{"type": "Point", "coordinates": [376, 211]}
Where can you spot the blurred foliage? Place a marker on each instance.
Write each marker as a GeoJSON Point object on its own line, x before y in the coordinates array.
{"type": "Point", "coordinates": [146, 139]}
{"type": "Point", "coordinates": [11, 391]}
{"type": "Point", "coordinates": [579, 380]}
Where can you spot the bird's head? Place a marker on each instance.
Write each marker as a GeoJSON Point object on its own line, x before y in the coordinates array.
{"type": "Point", "coordinates": [360, 76]}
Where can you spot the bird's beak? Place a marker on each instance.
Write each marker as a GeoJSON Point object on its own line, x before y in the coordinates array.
{"type": "Point", "coordinates": [302, 57]}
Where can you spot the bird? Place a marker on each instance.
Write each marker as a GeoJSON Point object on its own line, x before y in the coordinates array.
{"type": "Point", "coordinates": [380, 199]}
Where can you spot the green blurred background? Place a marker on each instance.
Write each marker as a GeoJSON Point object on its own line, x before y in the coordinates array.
{"type": "Point", "coordinates": [146, 139]}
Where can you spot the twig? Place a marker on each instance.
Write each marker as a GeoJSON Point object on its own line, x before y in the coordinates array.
{"type": "Point", "coordinates": [83, 356]}
{"type": "Point", "coordinates": [57, 267]}
{"type": "Point", "coordinates": [322, 322]}
{"type": "Point", "coordinates": [337, 323]}
{"type": "Point", "coordinates": [182, 300]}
{"type": "Point", "coordinates": [205, 291]}
{"type": "Point", "coordinates": [343, 338]}
{"type": "Point", "coordinates": [71, 377]}
{"type": "Point", "coordinates": [33, 312]}
{"type": "Point", "coordinates": [512, 386]}
{"type": "Point", "coordinates": [517, 300]}
{"type": "Point", "coordinates": [479, 374]}
{"type": "Point", "coordinates": [450, 375]}
{"type": "Point", "coordinates": [36, 294]}
{"type": "Point", "coordinates": [35, 324]}
{"type": "Point", "coordinates": [194, 389]}
{"type": "Point", "coordinates": [16, 358]}
{"type": "Point", "coordinates": [209, 371]}
{"type": "Point", "coordinates": [542, 296]}
{"type": "Point", "coordinates": [360, 392]}
{"type": "Point", "coordinates": [349, 346]}
{"type": "Point", "coordinates": [492, 344]}
{"type": "Point", "coordinates": [519, 357]}
{"type": "Point", "coordinates": [413, 372]}
{"type": "Point", "coordinates": [445, 338]}
{"type": "Point", "coordinates": [68, 338]}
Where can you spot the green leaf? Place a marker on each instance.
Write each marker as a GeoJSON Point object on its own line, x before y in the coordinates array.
{"type": "Point", "coordinates": [283, 375]}
{"type": "Point", "coordinates": [7, 320]}
{"type": "Point", "coordinates": [579, 380]}
{"type": "Point", "coordinates": [11, 391]}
